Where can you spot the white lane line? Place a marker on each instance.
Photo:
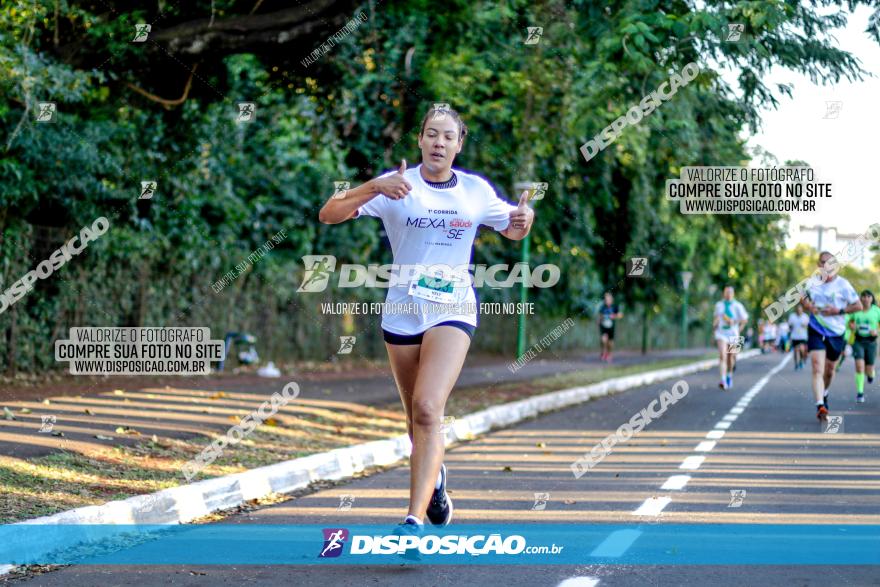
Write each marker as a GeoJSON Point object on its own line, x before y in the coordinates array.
{"type": "Point", "coordinates": [676, 482]}
{"type": "Point", "coordinates": [722, 425]}
{"type": "Point", "coordinates": [616, 544]}
{"type": "Point", "coordinates": [715, 434]}
{"type": "Point", "coordinates": [692, 463]}
{"type": "Point", "coordinates": [737, 410]}
{"type": "Point", "coordinates": [579, 582]}
{"type": "Point", "coordinates": [652, 506]}
{"type": "Point", "coordinates": [705, 446]}
{"type": "Point", "coordinates": [730, 418]}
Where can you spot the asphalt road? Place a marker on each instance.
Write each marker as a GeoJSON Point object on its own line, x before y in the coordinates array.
{"type": "Point", "coordinates": [770, 446]}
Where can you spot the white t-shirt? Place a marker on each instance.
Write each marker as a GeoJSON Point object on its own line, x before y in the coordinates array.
{"type": "Point", "coordinates": [736, 312]}
{"type": "Point", "coordinates": [837, 293]}
{"type": "Point", "coordinates": [799, 326]}
{"type": "Point", "coordinates": [433, 226]}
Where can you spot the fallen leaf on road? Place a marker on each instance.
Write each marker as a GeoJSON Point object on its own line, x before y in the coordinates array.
{"type": "Point", "coordinates": [89, 412]}
{"type": "Point", "coordinates": [569, 502]}
{"type": "Point", "coordinates": [102, 437]}
{"type": "Point", "coordinates": [118, 392]}
{"type": "Point", "coordinates": [217, 395]}
{"type": "Point", "coordinates": [155, 439]}
{"type": "Point", "coordinates": [45, 401]}
{"type": "Point", "coordinates": [232, 418]}
{"type": "Point", "coordinates": [127, 430]}
{"type": "Point", "coordinates": [7, 413]}
{"type": "Point", "coordinates": [57, 433]}
{"type": "Point", "coordinates": [271, 422]}
{"type": "Point", "coordinates": [540, 445]}
{"type": "Point", "coordinates": [24, 411]}
{"type": "Point", "coordinates": [507, 469]}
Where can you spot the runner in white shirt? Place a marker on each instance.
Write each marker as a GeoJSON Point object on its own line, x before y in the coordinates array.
{"type": "Point", "coordinates": [431, 214]}
{"type": "Point", "coordinates": [729, 318]}
{"type": "Point", "coordinates": [798, 323]}
{"type": "Point", "coordinates": [782, 336]}
{"type": "Point", "coordinates": [769, 337]}
{"type": "Point", "coordinates": [827, 302]}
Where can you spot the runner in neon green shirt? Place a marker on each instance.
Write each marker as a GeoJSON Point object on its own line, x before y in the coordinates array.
{"type": "Point", "coordinates": [865, 325]}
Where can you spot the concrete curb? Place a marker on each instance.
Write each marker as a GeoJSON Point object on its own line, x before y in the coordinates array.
{"type": "Point", "coordinates": [188, 502]}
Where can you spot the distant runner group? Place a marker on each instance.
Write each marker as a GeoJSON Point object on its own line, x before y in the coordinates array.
{"type": "Point", "coordinates": [828, 319]}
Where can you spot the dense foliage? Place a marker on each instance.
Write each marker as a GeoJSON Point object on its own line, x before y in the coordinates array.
{"type": "Point", "coordinates": [129, 112]}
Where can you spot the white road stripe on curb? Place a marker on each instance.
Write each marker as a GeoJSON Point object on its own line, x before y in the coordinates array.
{"type": "Point", "coordinates": [705, 446]}
{"type": "Point", "coordinates": [737, 410]}
{"type": "Point", "coordinates": [652, 506]}
{"type": "Point", "coordinates": [676, 482]}
{"type": "Point", "coordinates": [579, 582]}
{"type": "Point", "coordinates": [616, 544]}
{"type": "Point", "coordinates": [722, 425]}
{"type": "Point", "coordinates": [715, 434]}
{"type": "Point", "coordinates": [692, 463]}
{"type": "Point", "coordinates": [730, 417]}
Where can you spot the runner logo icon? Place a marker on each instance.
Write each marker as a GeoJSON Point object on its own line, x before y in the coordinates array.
{"type": "Point", "coordinates": [736, 344]}
{"type": "Point", "coordinates": [833, 425]}
{"type": "Point", "coordinates": [318, 270]}
{"type": "Point", "coordinates": [346, 345]}
{"type": "Point", "coordinates": [540, 501]}
{"type": "Point", "coordinates": [533, 35]}
{"type": "Point", "coordinates": [734, 31]}
{"type": "Point", "coordinates": [637, 266]}
{"type": "Point", "coordinates": [334, 539]}
{"type": "Point", "coordinates": [48, 422]}
{"type": "Point", "coordinates": [736, 498]}
{"type": "Point", "coordinates": [339, 189]}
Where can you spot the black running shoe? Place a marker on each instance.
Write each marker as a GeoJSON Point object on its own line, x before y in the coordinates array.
{"type": "Point", "coordinates": [439, 511]}
{"type": "Point", "coordinates": [825, 399]}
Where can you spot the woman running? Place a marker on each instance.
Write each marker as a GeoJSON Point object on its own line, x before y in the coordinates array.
{"type": "Point", "coordinates": [431, 214]}
{"type": "Point", "coordinates": [865, 325]}
{"type": "Point", "coordinates": [729, 318]}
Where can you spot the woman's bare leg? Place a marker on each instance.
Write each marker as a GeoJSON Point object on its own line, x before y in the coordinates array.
{"type": "Point", "coordinates": [443, 351]}
{"type": "Point", "coordinates": [404, 360]}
